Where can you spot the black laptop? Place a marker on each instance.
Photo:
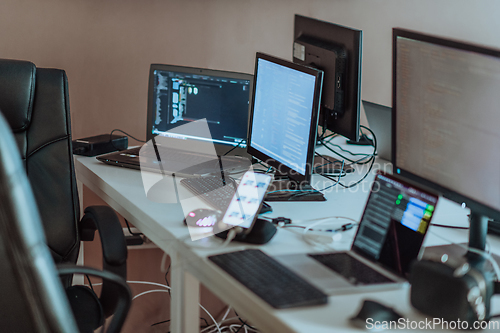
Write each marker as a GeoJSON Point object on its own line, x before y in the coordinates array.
{"type": "Point", "coordinates": [195, 117]}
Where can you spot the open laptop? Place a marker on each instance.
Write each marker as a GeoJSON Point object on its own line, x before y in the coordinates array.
{"type": "Point", "coordinates": [379, 119]}
{"type": "Point", "coordinates": [181, 100]}
{"type": "Point", "coordinates": [389, 237]}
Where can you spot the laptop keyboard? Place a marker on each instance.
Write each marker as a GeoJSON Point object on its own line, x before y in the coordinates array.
{"type": "Point", "coordinates": [212, 190]}
{"type": "Point", "coordinates": [352, 269]}
{"type": "Point", "coordinates": [270, 280]}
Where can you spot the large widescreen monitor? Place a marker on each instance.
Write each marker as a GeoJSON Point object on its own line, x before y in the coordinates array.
{"type": "Point", "coordinates": [445, 121]}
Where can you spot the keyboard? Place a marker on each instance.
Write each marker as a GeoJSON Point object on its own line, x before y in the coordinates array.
{"type": "Point", "coordinates": [352, 269]}
{"type": "Point", "coordinates": [270, 280]}
{"type": "Point", "coordinates": [212, 190]}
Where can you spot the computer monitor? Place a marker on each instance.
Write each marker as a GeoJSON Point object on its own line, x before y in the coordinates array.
{"type": "Point", "coordinates": [284, 117]}
{"type": "Point", "coordinates": [445, 122]}
{"type": "Point", "coordinates": [336, 50]}
{"type": "Point", "coordinates": [179, 95]}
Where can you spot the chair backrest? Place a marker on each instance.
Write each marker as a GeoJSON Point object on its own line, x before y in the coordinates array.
{"type": "Point", "coordinates": [35, 104]}
{"type": "Point", "coordinates": [31, 295]}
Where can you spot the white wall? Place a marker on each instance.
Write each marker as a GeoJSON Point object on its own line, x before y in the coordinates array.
{"type": "Point", "coordinates": [106, 46]}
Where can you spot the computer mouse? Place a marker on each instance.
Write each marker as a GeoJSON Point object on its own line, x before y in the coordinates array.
{"type": "Point", "coordinates": [202, 217]}
{"type": "Point", "coordinates": [373, 312]}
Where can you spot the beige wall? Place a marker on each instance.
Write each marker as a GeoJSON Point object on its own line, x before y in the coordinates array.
{"type": "Point", "coordinates": [106, 47]}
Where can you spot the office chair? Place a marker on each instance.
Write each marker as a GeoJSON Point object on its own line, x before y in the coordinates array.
{"type": "Point", "coordinates": [35, 104]}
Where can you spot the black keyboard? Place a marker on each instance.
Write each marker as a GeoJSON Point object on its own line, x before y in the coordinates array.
{"type": "Point", "coordinates": [212, 190]}
{"type": "Point", "coordinates": [352, 269]}
{"type": "Point", "coordinates": [270, 280]}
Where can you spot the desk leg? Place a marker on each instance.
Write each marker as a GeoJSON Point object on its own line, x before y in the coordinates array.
{"type": "Point", "coordinates": [184, 309]}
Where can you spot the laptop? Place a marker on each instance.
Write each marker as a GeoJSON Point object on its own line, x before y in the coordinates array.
{"type": "Point", "coordinates": [379, 120]}
{"type": "Point", "coordinates": [389, 237]}
{"type": "Point", "coordinates": [195, 115]}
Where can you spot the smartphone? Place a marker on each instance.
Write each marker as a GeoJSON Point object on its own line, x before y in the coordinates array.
{"type": "Point", "coordinates": [247, 201]}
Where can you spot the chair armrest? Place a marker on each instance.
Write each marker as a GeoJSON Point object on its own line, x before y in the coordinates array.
{"type": "Point", "coordinates": [114, 249]}
{"type": "Point", "coordinates": [123, 295]}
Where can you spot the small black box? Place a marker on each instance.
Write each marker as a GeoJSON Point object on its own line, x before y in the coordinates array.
{"type": "Point", "coordinates": [99, 144]}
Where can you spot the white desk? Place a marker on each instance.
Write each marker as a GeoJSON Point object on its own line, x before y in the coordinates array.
{"type": "Point", "coordinates": [123, 190]}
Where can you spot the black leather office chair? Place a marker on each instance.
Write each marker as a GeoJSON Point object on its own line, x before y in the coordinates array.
{"type": "Point", "coordinates": [31, 295]}
{"type": "Point", "coordinates": [35, 104]}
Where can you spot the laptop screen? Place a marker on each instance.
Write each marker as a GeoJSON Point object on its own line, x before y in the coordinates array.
{"type": "Point", "coordinates": [179, 95]}
{"type": "Point", "coordinates": [394, 223]}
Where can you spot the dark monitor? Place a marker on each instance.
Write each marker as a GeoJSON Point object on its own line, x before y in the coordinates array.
{"type": "Point", "coordinates": [336, 50]}
{"type": "Point", "coordinates": [284, 116]}
{"type": "Point", "coordinates": [178, 95]}
{"type": "Point", "coordinates": [445, 122]}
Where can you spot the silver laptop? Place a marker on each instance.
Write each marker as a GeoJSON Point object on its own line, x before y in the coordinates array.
{"type": "Point", "coordinates": [379, 120]}
{"type": "Point", "coordinates": [389, 237]}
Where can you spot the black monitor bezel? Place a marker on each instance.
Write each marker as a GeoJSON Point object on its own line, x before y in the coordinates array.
{"type": "Point", "coordinates": [348, 125]}
{"type": "Point", "coordinates": [283, 169]}
{"type": "Point", "coordinates": [188, 70]}
{"type": "Point", "coordinates": [474, 205]}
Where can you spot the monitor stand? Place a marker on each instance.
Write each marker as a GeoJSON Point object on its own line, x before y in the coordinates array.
{"type": "Point", "coordinates": [286, 189]}
{"type": "Point", "coordinates": [478, 229]}
{"type": "Point", "coordinates": [364, 140]}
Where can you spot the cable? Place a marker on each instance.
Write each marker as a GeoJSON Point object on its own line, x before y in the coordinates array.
{"type": "Point", "coordinates": [449, 226]}
{"type": "Point", "coordinates": [166, 277]}
{"type": "Point", "coordinates": [345, 227]}
{"type": "Point", "coordinates": [142, 282]}
{"type": "Point", "coordinates": [327, 217]}
{"type": "Point", "coordinates": [211, 327]}
{"type": "Point", "coordinates": [244, 322]}
{"type": "Point", "coordinates": [226, 314]}
{"type": "Point", "coordinates": [161, 322]}
{"type": "Point", "coordinates": [206, 329]}
{"type": "Point", "coordinates": [329, 162]}
{"type": "Point", "coordinates": [211, 317]}
{"type": "Point", "coordinates": [150, 291]}
{"type": "Point", "coordinates": [328, 177]}
{"type": "Point", "coordinates": [90, 283]}
{"type": "Point", "coordinates": [119, 130]}
{"type": "Point", "coordinates": [168, 290]}
{"type": "Point", "coordinates": [371, 156]}
{"type": "Point", "coordinates": [372, 161]}
{"type": "Point", "coordinates": [230, 150]}
{"type": "Point", "coordinates": [350, 152]}
{"type": "Point", "coordinates": [130, 230]}
{"type": "Point", "coordinates": [149, 283]}
{"type": "Point", "coordinates": [328, 239]}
